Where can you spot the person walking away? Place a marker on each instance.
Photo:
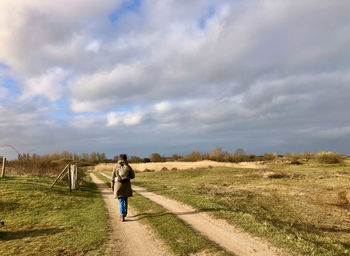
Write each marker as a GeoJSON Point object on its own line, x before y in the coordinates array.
{"type": "Point", "coordinates": [121, 176]}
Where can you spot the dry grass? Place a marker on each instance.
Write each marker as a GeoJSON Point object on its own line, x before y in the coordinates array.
{"type": "Point", "coordinates": [302, 207]}
{"type": "Point", "coordinates": [141, 167]}
{"type": "Point", "coordinates": [31, 168]}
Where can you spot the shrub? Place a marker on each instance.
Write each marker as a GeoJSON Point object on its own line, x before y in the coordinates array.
{"type": "Point", "coordinates": [135, 159]}
{"type": "Point", "coordinates": [155, 157]}
{"type": "Point", "coordinates": [328, 158]}
{"type": "Point", "coordinates": [292, 157]}
{"type": "Point", "coordinates": [194, 156]}
{"type": "Point", "coordinates": [146, 160]}
{"type": "Point", "coordinates": [250, 157]}
{"type": "Point", "coordinates": [269, 156]}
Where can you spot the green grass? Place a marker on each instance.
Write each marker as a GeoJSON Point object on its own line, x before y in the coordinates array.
{"type": "Point", "coordinates": [308, 214]}
{"type": "Point", "coordinates": [40, 221]}
{"type": "Point", "coordinates": [178, 236]}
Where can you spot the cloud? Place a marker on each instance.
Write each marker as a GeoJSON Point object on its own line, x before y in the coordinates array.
{"type": "Point", "coordinates": [49, 85]}
{"type": "Point", "coordinates": [129, 119]}
{"type": "Point", "coordinates": [162, 106]}
{"type": "Point", "coordinates": [232, 53]}
{"type": "Point", "coordinates": [261, 75]}
{"type": "Point", "coordinates": [93, 46]}
{"type": "Point", "coordinates": [334, 133]}
{"type": "Point", "coordinates": [41, 26]}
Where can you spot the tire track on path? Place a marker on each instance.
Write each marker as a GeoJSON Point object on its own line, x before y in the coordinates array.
{"type": "Point", "coordinates": [227, 236]}
{"type": "Point", "coordinates": [129, 238]}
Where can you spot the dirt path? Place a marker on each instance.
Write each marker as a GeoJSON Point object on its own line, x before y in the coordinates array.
{"type": "Point", "coordinates": [129, 238]}
{"type": "Point", "coordinates": [228, 237]}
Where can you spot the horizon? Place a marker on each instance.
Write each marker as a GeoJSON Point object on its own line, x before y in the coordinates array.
{"type": "Point", "coordinates": [172, 77]}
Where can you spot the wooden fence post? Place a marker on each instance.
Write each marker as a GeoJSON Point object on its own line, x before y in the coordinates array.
{"type": "Point", "coordinates": [3, 167]}
{"type": "Point", "coordinates": [72, 171]}
{"type": "Point", "coordinates": [74, 174]}
{"type": "Point", "coordinates": [70, 178]}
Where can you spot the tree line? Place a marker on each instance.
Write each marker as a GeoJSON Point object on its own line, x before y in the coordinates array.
{"type": "Point", "coordinates": [217, 154]}
{"type": "Point", "coordinates": [93, 157]}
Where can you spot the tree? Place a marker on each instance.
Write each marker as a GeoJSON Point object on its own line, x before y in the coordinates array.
{"type": "Point", "coordinates": [93, 157]}
{"type": "Point", "coordinates": [216, 154]}
{"type": "Point", "coordinates": [239, 152]}
{"type": "Point", "coordinates": [65, 155]}
{"type": "Point", "coordinates": [135, 159]}
{"type": "Point", "coordinates": [270, 156]}
{"type": "Point", "coordinates": [76, 157]}
{"type": "Point", "coordinates": [176, 157]}
{"type": "Point", "coordinates": [194, 156]}
{"type": "Point", "coordinates": [155, 157]}
{"type": "Point", "coordinates": [85, 156]}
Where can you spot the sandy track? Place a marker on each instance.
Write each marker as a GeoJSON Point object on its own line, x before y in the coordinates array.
{"type": "Point", "coordinates": [129, 238]}
{"type": "Point", "coordinates": [228, 237]}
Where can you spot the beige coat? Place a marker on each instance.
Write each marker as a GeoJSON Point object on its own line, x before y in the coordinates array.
{"type": "Point", "coordinates": [125, 173]}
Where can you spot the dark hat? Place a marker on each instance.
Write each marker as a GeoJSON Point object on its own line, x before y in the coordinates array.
{"type": "Point", "coordinates": [123, 157]}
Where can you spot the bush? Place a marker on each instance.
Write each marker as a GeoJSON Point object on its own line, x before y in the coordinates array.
{"type": "Point", "coordinates": [194, 156]}
{"type": "Point", "coordinates": [136, 159]}
{"type": "Point", "coordinates": [155, 157]}
{"type": "Point", "coordinates": [328, 158]}
{"type": "Point", "coordinates": [269, 156]}
{"type": "Point", "coordinates": [292, 157]}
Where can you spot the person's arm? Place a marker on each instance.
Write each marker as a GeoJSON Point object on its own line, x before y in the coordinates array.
{"type": "Point", "coordinates": [131, 173]}
{"type": "Point", "coordinates": [114, 174]}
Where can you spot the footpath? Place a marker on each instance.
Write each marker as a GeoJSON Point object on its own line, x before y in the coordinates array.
{"type": "Point", "coordinates": [225, 235]}
{"type": "Point", "coordinates": [129, 238]}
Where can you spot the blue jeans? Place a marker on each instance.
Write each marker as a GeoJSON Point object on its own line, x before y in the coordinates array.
{"type": "Point", "coordinates": [123, 205]}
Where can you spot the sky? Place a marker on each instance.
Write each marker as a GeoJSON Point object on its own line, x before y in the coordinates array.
{"type": "Point", "coordinates": [174, 76]}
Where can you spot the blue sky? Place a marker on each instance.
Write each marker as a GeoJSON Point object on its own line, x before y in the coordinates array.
{"type": "Point", "coordinates": [125, 8]}
{"type": "Point", "coordinates": [144, 76]}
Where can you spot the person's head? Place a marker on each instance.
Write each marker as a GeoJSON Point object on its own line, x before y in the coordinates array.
{"type": "Point", "coordinates": [122, 159]}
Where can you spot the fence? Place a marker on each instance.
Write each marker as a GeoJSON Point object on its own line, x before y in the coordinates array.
{"type": "Point", "coordinates": [3, 167]}
{"type": "Point", "coordinates": [72, 171]}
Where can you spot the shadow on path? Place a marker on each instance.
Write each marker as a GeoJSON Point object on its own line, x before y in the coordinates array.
{"type": "Point", "coordinates": [140, 216]}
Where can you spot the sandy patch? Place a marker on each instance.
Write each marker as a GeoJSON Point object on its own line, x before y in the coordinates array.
{"type": "Point", "coordinates": [182, 165]}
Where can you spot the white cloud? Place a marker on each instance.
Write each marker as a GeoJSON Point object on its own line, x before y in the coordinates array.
{"type": "Point", "coordinates": [256, 69]}
{"type": "Point", "coordinates": [30, 28]}
{"type": "Point", "coordinates": [93, 46]}
{"type": "Point", "coordinates": [121, 118]}
{"type": "Point", "coordinates": [49, 85]}
{"type": "Point", "coordinates": [162, 106]}
{"type": "Point", "coordinates": [132, 119]}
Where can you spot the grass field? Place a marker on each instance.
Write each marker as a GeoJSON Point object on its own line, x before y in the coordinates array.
{"type": "Point", "coordinates": [302, 208]}
{"type": "Point", "coordinates": [39, 221]}
{"type": "Point", "coordinates": [178, 236]}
